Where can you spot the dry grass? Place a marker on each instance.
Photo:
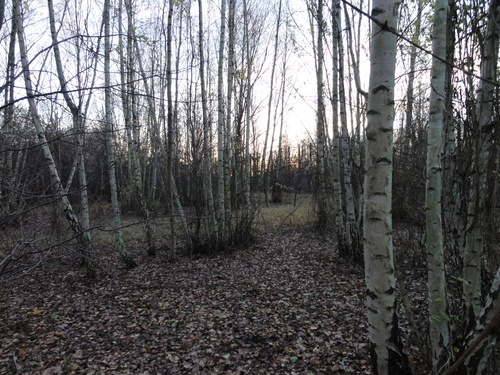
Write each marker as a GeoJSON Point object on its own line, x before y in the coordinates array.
{"type": "Point", "coordinates": [285, 214]}
{"type": "Point", "coordinates": [44, 234]}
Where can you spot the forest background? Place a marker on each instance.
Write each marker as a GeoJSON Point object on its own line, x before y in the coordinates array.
{"type": "Point", "coordinates": [168, 128]}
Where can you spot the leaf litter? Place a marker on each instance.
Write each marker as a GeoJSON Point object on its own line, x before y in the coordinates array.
{"type": "Point", "coordinates": [286, 305]}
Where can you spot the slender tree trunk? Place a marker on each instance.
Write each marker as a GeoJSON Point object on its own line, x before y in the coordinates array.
{"type": "Point", "coordinates": [228, 124]}
{"type": "Point", "coordinates": [207, 151]}
{"type": "Point", "coordinates": [320, 124]}
{"type": "Point", "coordinates": [476, 220]}
{"type": "Point", "coordinates": [78, 125]}
{"type": "Point", "coordinates": [221, 211]}
{"type": "Point", "coordinates": [351, 232]}
{"type": "Point", "coordinates": [335, 145]}
{"type": "Point", "coordinates": [263, 169]}
{"type": "Point", "coordinates": [452, 194]}
{"type": "Point", "coordinates": [246, 170]}
{"type": "Point", "coordinates": [436, 282]}
{"type": "Point", "coordinates": [131, 121]}
{"type": "Point", "coordinates": [476, 223]}
{"type": "Point", "coordinates": [2, 12]}
{"type": "Point", "coordinates": [386, 347]}
{"type": "Point", "coordinates": [170, 135]}
{"type": "Point", "coordinates": [117, 223]}
{"type": "Point", "coordinates": [409, 128]}
{"type": "Point", "coordinates": [6, 132]}
{"type": "Point", "coordinates": [156, 143]}
{"type": "Point", "coordinates": [78, 230]}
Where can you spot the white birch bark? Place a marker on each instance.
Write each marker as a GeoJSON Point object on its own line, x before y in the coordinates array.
{"type": "Point", "coordinates": [117, 223]}
{"type": "Point", "coordinates": [130, 115]}
{"type": "Point", "coordinates": [207, 152]}
{"type": "Point", "coordinates": [228, 123]}
{"type": "Point", "coordinates": [453, 219]}
{"type": "Point", "coordinates": [246, 169]}
{"type": "Point", "coordinates": [170, 135]}
{"type": "Point", "coordinates": [221, 211]}
{"type": "Point", "coordinates": [77, 228]}
{"type": "Point", "coordinates": [78, 125]}
{"type": "Point", "coordinates": [436, 278]}
{"type": "Point", "coordinates": [156, 143]}
{"type": "Point", "coordinates": [386, 349]}
{"type": "Point", "coordinates": [263, 167]}
{"type": "Point", "coordinates": [474, 248]}
{"type": "Point", "coordinates": [409, 128]}
{"type": "Point", "coordinates": [337, 191]}
{"type": "Point", "coordinates": [320, 122]}
{"type": "Point", "coordinates": [351, 236]}
{"type": "Point", "coordinates": [6, 132]}
{"type": "Point", "coordinates": [474, 240]}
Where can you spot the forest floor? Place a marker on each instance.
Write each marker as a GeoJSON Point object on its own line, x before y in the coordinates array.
{"type": "Point", "coordinates": [286, 305]}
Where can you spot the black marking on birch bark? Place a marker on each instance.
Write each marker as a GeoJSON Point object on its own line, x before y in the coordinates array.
{"type": "Point", "coordinates": [372, 112]}
{"type": "Point", "coordinates": [371, 136]}
{"type": "Point", "coordinates": [371, 294]}
{"type": "Point", "coordinates": [374, 358]}
{"type": "Point", "coordinates": [383, 160]}
{"type": "Point", "coordinates": [376, 11]}
{"type": "Point", "coordinates": [380, 88]}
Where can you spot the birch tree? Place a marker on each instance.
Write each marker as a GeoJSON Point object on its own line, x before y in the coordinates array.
{"type": "Point", "coordinates": [350, 236]}
{"type": "Point", "coordinates": [479, 315]}
{"type": "Point", "coordinates": [207, 154]}
{"type": "Point", "coordinates": [452, 192]}
{"type": "Point", "coordinates": [78, 114]}
{"type": "Point", "coordinates": [110, 143]}
{"type": "Point", "coordinates": [335, 143]}
{"type": "Point", "coordinates": [7, 131]}
{"type": "Point", "coordinates": [221, 210]}
{"type": "Point", "coordinates": [75, 225]}
{"type": "Point", "coordinates": [474, 239]}
{"type": "Point", "coordinates": [263, 169]}
{"type": "Point", "coordinates": [386, 347]}
{"type": "Point", "coordinates": [438, 316]}
{"type": "Point", "coordinates": [320, 121]}
{"type": "Point", "coordinates": [170, 133]}
{"type": "Point", "coordinates": [228, 114]}
{"type": "Point", "coordinates": [129, 103]}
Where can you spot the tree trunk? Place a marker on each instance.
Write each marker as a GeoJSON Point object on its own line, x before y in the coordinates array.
{"type": "Point", "coordinates": [452, 181]}
{"type": "Point", "coordinates": [170, 135]}
{"type": "Point", "coordinates": [351, 235]}
{"type": "Point", "coordinates": [228, 125]}
{"type": "Point", "coordinates": [320, 124]}
{"type": "Point", "coordinates": [476, 220]}
{"type": "Point", "coordinates": [263, 170]}
{"type": "Point", "coordinates": [409, 128]}
{"type": "Point", "coordinates": [6, 132]}
{"type": "Point", "coordinates": [221, 211]}
{"type": "Point", "coordinates": [335, 152]}
{"type": "Point", "coordinates": [78, 124]}
{"type": "Point", "coordinates": [207, 152]}
{"type": "Point", "coordinates": [248, 212]}
{"type": "Point", "coordinates": [117, 224]}
{"type": "Point", "coordinates": [131, 122]}
{"type": "Point", "coordinates": [77, 228]}
{"type": "Point", "coordinates": [386, 347]}
{"type": "Point", "coordinates": [436, 282]}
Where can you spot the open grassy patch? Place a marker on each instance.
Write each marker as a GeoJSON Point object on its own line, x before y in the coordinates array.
{"type": "Point", "coordinates": [291, 213]}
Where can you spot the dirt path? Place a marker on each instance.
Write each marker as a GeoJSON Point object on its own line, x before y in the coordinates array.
{"type": "Point", "coordinates": [287, 305]}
